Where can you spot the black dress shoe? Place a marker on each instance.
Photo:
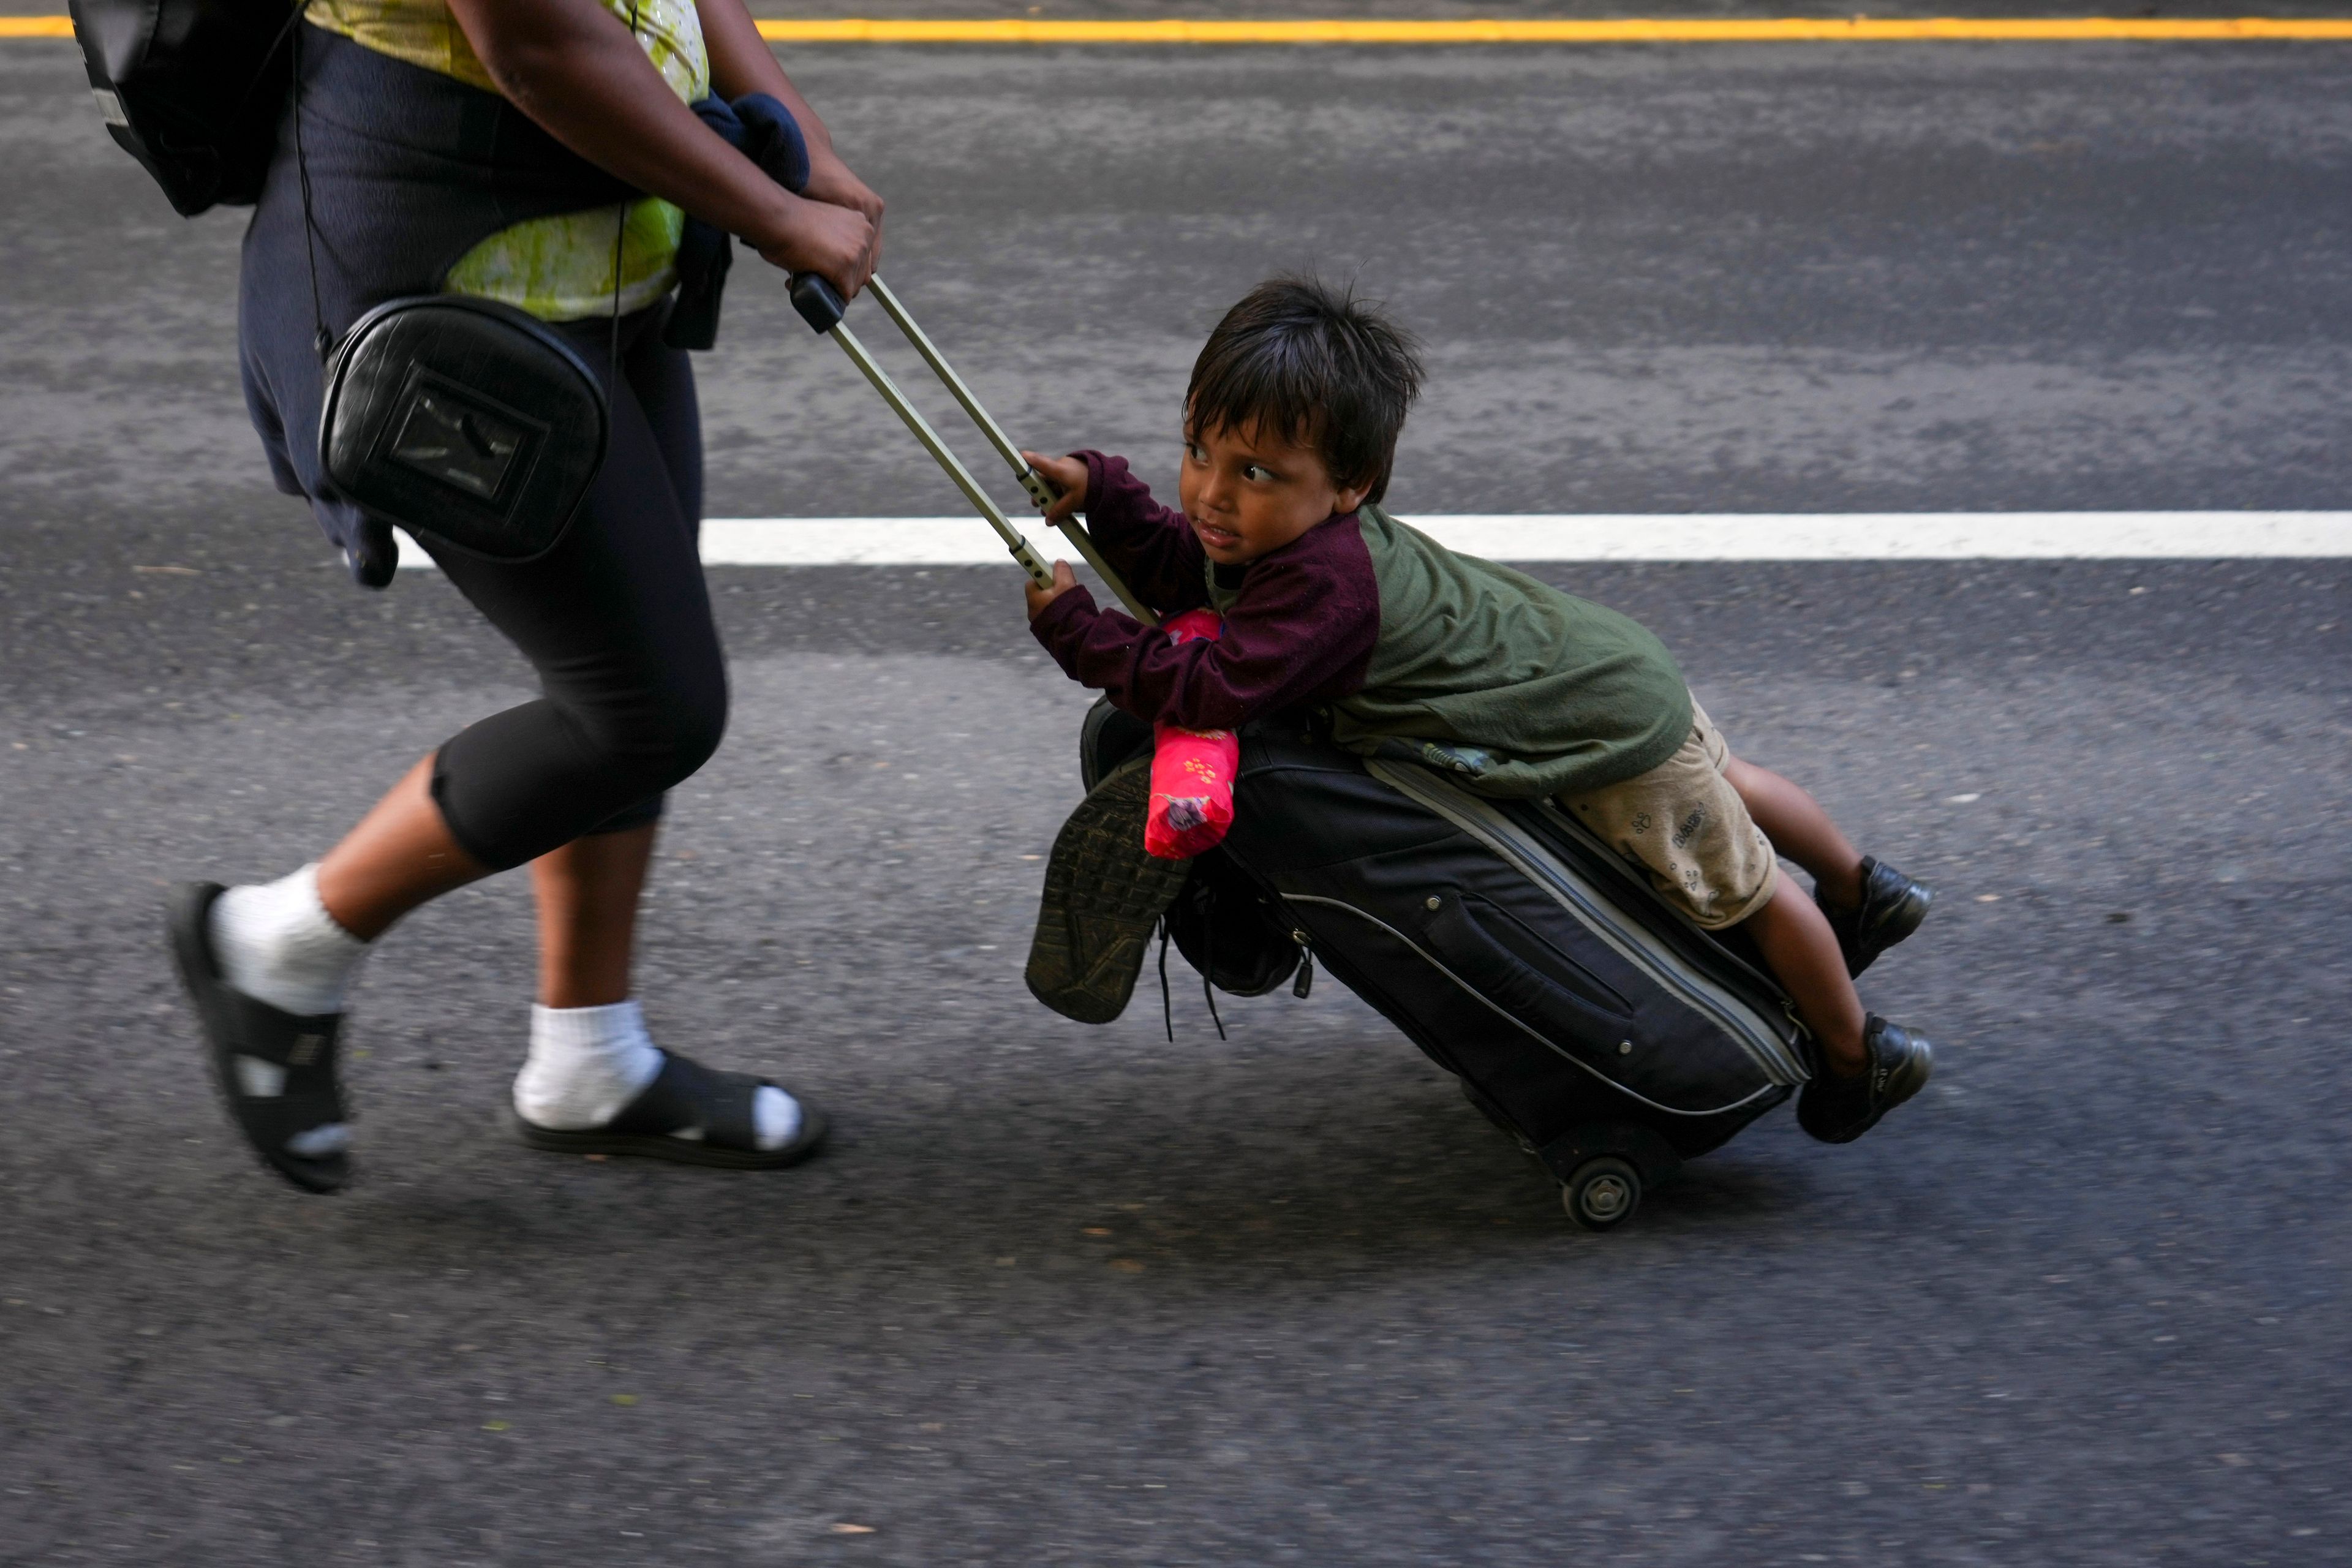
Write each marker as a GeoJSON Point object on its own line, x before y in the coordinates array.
{"type": "Point", "coordinates": [1841, 1110]}
{"type": "Point", "coordinates": [1892, 907]}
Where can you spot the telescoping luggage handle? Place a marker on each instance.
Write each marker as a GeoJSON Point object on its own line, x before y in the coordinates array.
{"type": "Point", "coordinates": [821, 306]}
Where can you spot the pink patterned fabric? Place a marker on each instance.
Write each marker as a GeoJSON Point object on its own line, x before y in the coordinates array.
{"type": "Point", "coordinates": [1192, 769]}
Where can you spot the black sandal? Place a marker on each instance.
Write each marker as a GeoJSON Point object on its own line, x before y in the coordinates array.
{"type": "Point", "coordinates": [685, 1096]}
{"type": "Point", "coordinates": [275, 1071]}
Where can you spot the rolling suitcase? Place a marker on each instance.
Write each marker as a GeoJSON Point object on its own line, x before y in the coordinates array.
{"type": "Point", "coordinates": [1611, 1038]}
{"type": "Point", "coordinates": [1582, 1015]}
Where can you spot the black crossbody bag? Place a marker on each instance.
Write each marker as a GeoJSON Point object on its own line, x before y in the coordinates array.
{"type": "Point", "coordinates": [464, 421]}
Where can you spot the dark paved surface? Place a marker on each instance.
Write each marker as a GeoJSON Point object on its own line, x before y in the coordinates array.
{"type": "Point", "coordinates": [1075, 1295]}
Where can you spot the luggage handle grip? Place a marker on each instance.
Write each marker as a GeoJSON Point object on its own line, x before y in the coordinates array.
{"type": "Point", "coordinates": [818, 303]}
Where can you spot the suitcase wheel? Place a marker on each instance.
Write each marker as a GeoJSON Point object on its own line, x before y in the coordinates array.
{"type": "Point", "coordinates": [1602, 1195]}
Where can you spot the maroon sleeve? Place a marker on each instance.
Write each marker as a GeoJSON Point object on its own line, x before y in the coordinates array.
{"type": "Point", "coordinates": [1302, 630]}
{"type": "Point", "coordinates": [1150, 546]}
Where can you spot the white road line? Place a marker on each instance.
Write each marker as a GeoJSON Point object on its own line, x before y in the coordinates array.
{"type": "Point", "coordinates": [1693, 536]}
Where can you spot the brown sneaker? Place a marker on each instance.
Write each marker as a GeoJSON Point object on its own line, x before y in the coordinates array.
{"type": "Point", "coordinates": [1104, 892]}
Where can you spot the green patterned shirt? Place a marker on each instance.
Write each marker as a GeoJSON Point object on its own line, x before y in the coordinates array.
{"type": "Point", "coordinates": [558, 269]}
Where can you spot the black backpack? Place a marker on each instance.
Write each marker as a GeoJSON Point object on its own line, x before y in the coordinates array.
{"type": "Point", "coordinates": [191, 89]}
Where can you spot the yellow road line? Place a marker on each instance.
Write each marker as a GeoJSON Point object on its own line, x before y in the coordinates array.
{"type": "Point", "coordinates": [1625, 30]}
{"type": "Point", "coordinates": [1669, 30]}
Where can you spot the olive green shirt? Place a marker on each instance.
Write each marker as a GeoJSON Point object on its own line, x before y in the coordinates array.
{"type": "Point", "coordinates": [1522, 689]}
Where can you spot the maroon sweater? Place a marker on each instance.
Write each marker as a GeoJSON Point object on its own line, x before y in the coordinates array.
{"type": "Point", "coordinates": [1300, 621]}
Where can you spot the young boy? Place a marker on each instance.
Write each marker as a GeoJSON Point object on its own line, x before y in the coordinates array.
{"type": "Point", "coordinates": [1290, 426]}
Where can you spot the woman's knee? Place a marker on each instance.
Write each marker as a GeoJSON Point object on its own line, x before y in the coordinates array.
{"type": "Point", "coordinates": [658, 730]}
{"type": "Point", "coordinates": [683, 725]}
{"type": "Point", "coordinates": [697, 723]}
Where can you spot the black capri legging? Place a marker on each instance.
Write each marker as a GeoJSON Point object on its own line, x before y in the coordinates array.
{"type": "Point", "coordinates": [616, 621]}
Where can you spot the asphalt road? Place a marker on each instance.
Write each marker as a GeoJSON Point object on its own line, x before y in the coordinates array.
{"type": "Point", "coordinates": [1077, 1295]}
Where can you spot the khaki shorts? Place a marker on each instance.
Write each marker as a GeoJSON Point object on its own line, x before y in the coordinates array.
{"type": "Point", "coordinates": [1683, 824]}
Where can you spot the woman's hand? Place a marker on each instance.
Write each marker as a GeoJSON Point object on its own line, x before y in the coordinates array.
{"type": "Point", "coordinates": [1064, 581]}
{"type": "Point", "coordinates": [1067, 475]}
{"type": "Point", "coordinates": [831, 185]}
{"type": "Point", "coordinates": [741, 62]}
{"type": "Point", "coordinates": [830, 181]}
{"type": "Point", "coordinates": [836, 243]}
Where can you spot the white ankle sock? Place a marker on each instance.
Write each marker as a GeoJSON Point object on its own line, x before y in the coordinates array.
{"type": "Point", "coordinates": [276, 942]}
{"type": "Point", "coordinates": [775, 1117]}
{"type": "Point", "coordinates": [587, 1063]}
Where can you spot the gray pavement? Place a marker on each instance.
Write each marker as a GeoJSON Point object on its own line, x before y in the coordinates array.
{"type": "Point", "coordinates": [1069, 1295]}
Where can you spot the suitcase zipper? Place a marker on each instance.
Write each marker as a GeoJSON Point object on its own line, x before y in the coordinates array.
{"type": "Point", "coordinates": [1490, 827]}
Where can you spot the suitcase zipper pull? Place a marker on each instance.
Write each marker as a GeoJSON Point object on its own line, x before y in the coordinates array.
{"type": "Point", "coordinates": [1306, 981]}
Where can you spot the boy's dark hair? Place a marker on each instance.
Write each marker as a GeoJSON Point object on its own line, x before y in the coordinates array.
{"type": "Point", "coordinates": [1315, 366]}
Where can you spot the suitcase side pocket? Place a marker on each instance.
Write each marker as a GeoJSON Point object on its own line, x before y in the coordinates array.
{"type": "Point", "coordinates": [1523, 973]}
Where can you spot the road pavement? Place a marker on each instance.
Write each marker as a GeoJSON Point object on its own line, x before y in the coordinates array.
{"type": "Point", "coordinates": [1063, 1295]}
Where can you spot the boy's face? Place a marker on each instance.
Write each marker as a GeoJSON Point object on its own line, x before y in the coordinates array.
{"type": "Point", "coordinates": [1247, 494]}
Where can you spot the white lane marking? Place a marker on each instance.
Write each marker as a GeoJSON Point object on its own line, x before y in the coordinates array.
{"type": "Point", "coordinates": [1681, 536]}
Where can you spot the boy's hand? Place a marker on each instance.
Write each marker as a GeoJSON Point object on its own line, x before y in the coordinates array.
{"type": "Point", "coordinates": [1067, 475]}
{"type": "Point", "coordinates": [1063, 579]}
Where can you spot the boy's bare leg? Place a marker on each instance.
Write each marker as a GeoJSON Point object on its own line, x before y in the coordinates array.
{"type": "Point", "coordinates": [1798, 828]}
{"type": "Point", "coordinates": [588, 893]}
{"type": "Point", "coordinates": [1803, 951]}
{"type": "Point", "coordinates": [1815, 946]}
{"type": "Point", "coordinates": [1871, 906]}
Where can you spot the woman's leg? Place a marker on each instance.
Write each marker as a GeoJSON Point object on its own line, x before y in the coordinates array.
{"type": "Point", "coordinates": [590, 1054]}
{"type": "Point", "coordinates": [1800, 829]}
{"type": "Point", "coordinates": [588, 890]}
{"type": "Point", "coordinates": [588, 893]}
{"type": "Point", "coordinates": [400, 855]}
{"type": "Point", "coordinates": [616, 621]}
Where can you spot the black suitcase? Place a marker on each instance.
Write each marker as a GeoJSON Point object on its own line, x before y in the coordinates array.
{"type": "Point", "coordinates": [1582, 1014]}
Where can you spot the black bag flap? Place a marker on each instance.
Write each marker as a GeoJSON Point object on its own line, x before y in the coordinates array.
{"type": "Point", "coordinates": [465, 419]}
